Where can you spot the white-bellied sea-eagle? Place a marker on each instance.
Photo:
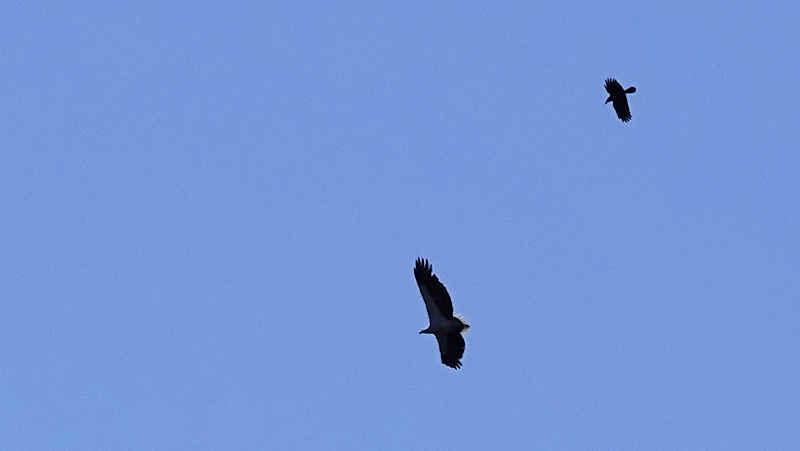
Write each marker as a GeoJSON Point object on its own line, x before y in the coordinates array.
{"type": "Point", "coordinates": [446, 327]}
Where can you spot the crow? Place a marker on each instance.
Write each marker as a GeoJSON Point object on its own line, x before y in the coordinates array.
{"type": "Point", "coordinates": [620, 101]}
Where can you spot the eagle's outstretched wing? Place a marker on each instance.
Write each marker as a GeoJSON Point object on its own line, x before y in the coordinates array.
{"type": "Point", "coordinates": [451, 348]}
{"type": "Point", "coordinates": [437, 300]}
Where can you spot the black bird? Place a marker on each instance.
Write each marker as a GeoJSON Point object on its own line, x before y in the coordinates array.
{"type": "Point", "coordinates": [617, 95]}
{"type": "Point", "coordinates": [446, 327]}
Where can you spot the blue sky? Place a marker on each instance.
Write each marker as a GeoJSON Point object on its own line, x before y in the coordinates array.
{"type": "Point", "coordinates": [211, 215]}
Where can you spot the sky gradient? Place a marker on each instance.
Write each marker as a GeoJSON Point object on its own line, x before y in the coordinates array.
{"type": "Point", "coordinates": [212, 215]}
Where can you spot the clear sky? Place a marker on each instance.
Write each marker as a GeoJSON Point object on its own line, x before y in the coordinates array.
{"type": "Point", "coordinates": [211, 215]}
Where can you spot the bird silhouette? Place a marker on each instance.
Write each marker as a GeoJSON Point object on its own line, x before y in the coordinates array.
{"type": "Point", "coordinates": [619, 98]}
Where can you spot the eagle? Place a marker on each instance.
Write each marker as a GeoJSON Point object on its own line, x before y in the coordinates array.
{"type": "Point", "coordinates": [617, 95]}
{"type": "Point", "coordinates": [446, 327]}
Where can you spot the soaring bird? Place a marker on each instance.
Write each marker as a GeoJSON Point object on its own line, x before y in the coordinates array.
{"type": "Point", "coordinates": [620, 101]}
{"type": "Point", "coordinates": [446, 327]}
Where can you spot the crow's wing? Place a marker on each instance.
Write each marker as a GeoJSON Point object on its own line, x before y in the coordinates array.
{"type": "Point", "coordinates": [613, 87]}
{"type": "Point", "coordinates": [621, 107]}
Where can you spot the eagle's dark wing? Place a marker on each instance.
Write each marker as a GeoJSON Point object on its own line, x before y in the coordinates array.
{"type": "Point", "coordinates": [433, 292]}
{"type": "Point", "coordinates": [451, 348]}
{"type": "Point", "coordinates": [621, 107]}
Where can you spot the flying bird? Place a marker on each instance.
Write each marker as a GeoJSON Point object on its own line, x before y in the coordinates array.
{"type": "Point", "coordinates": [617, 95]}
{"type": "Point", "coordinates": [446, 327]}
